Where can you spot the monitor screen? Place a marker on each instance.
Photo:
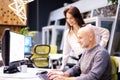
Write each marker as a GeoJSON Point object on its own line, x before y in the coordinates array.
{"type": "Point", "coordinates": [28, 44]}
{"type": "Point", "coordinates": [27, 50]}
{"type": "Point", "coordinates": [16, 46]}
{"type": "Point", "coordinates": [12, 47]}
{"type": "Point", "coordinates": [28, 41]}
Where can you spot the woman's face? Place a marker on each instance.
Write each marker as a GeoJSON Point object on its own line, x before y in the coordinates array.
{"type": "Point", "coordinates": [70, 19]}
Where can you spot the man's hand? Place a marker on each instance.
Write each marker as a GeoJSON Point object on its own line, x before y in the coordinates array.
{"type": "Point", "coordinates": [55, 72]}
{"type": "Point", "coordinates": [57, 77]}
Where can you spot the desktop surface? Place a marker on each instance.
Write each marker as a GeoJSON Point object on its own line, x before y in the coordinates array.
{"type": "Point", "coordinates": [31, 74]}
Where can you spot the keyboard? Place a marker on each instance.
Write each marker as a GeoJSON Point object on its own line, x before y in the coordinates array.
{"type": "Point", "coordinates": [43, 75]}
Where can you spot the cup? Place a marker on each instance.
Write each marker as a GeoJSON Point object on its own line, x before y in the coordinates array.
{"type": "Point", "coordinates": [23, 68]}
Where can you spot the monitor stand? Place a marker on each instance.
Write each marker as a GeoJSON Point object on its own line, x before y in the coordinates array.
{"type": "Point", "coordinates": [11, 69]}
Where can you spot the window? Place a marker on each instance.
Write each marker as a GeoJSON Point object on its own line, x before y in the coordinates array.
{"type": "Point", "coordinates": [115, 49]}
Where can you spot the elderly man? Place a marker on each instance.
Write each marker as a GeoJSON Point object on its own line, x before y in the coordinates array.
{"type": "Point", "coordinates": [94, 63]}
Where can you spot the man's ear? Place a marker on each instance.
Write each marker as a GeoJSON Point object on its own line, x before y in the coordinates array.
{"type": "Point", "coordinates": [90, 37]}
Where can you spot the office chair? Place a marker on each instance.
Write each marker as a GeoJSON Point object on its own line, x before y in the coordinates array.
{"type": "Point", "coordinates": [53, 63]}
{"type": "Point", "coordinates": [114, 71]}
{"type": "Point", "coordinates": [40, 57]}
{"type": "Point", "coordinates": [53, 49]}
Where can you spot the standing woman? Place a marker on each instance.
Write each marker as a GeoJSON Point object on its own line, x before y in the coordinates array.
{"type": "Point", "coordinates": [75, 21]}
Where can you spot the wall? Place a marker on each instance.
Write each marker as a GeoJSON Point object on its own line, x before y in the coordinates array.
{"type": "Point", "coordinates": [43, 12]}
{"type": "Point", "coordinates": [8, 18]}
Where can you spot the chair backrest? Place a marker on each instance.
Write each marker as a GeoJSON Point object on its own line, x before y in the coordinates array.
{"type": "Point", "coordinates": [42, 49]}
{"type": "Point", "coordinates": [53, 49]}
{"type": "Point", "coordinates": [114, 72]}
{"type": "Point", "coordinates": [40, 56]}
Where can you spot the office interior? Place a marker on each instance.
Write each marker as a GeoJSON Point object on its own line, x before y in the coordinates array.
{"type": "Point", "coordinates": [43, 22]}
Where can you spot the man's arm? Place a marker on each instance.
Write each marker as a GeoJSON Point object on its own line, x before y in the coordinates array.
{"type": "Point", "coordinates": [75, 70]}
{"type": "Point", "coordinates": [100, 64]}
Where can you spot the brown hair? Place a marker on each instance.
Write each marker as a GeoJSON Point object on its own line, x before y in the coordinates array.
{"type": "Point", "coordinates": [74, 11]}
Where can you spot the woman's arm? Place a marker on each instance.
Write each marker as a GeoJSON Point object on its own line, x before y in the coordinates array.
{"type": "Point", "coordinates": [66, 50]}
{"type": "Point", "coordinates": [103, 34]}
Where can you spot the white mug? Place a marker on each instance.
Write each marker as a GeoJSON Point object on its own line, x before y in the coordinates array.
{"type": "Point", "coordinates": [23, 68]}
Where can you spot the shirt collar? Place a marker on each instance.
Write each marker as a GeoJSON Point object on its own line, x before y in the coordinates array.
{"type": "Point", "coordinates": [87, 51]}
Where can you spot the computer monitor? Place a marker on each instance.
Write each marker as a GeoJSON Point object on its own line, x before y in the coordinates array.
{"type": "Point", "coordinates": [12, 47]}
{"type": "Point", "coordinates": [28, 40]}
{"type": "Point", "coordinates": [28, 44]}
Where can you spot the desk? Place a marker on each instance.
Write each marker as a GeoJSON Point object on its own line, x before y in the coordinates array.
{"type": "Point", "coordinates": [29, 75]}
{"type": "Point", "coordinates": [56, 57]}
